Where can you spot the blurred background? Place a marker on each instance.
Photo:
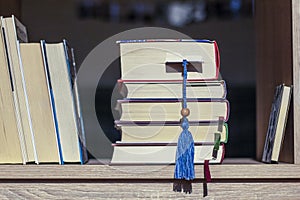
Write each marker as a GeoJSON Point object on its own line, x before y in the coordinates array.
{"type": "Point", "coordinates": [86, 23]}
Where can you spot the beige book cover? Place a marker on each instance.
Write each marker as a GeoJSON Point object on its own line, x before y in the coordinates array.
{"type": "Point", "coordinates": [15, 31]}
{"type": "Point", "coordinates": [63, 98]}
{"type": "Point", "coordinates": [40, 107]}
{"type": "Point", "coordinates": [10, 148]}
{"type": "Point", "coordinates": [160, 154]}
{"type": "Point", "coordinates": [161, 59]}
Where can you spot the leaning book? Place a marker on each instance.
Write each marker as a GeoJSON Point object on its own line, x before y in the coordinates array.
{"type": "Point", "coordinates": [59, 63]}
{"type": "Point", "coordinates": [277, 123]}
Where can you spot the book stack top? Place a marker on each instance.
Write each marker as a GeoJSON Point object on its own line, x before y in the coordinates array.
{"type": "Point", "coordinates": [151, 87]}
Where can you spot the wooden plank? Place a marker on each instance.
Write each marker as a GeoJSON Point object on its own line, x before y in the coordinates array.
{"type": "Point", "coordinates": [296, 76]}
{"type": "Point", "coordinates": [274, 66]}
{"type": "Point", "coordinates": [128, 191]}
{"type": "Point", "coordinates": [148, 172]}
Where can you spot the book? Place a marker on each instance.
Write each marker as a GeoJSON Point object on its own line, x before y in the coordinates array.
{"type": "Point", "coordinates": [161, 60]}
{"type": "Point", "coordinates": [13, 31]}
{"type": "Point", "coordinates": [161, 153]}
{"type": "Point", "coordinates": [155, 90]}
{"type": "Point", "coordinates": [169, 132]}
{"type": "Point", "coordinates": [10, 148]}
{"type": "Point", "coordinates": [46, 137]}
{"type": "Point", "coordinates": [277, 123]}
{"type": "Point", "coordinates": [62, 78]}
{"type": "Point", "coordinates": [82, 138]}
{"type": "Point", "coordinates": [204, 110]}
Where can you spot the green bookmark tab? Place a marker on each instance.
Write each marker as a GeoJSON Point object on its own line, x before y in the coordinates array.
{"type": "Point", "coordinates": [217, 138]}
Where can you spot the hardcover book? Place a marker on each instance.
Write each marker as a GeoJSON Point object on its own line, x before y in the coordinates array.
{"type": "Point", "coordinates": [10, 132]}
{"type": "Point", "coordinates": [46, 137]}
{"type": "Point", "coordinates": [62, 78]}
{"type": "Point", "coordinates": [140, 89]}
{"type": "Point", "coordinates": [277, 122]}
{"type": "Point", "coordinates": [13, 32]}
{"type": "Point", "coordinates": [169, 109]}
{"type": "Point", "coordinates": [161, 153]}
{"type": "Point", "coordinates": [161, 59]}
{"type": "Point", "coordinates": [169, 132]}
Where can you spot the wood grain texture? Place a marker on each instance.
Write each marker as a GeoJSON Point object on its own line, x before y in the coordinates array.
{"type": "Point", "coordinates": [296, 76]}
{"type": "Point", "coordinates": [274, 66]}
{"type": "Point", "coordinates": [146, 172]}
{"type": "Point", "coordinates": [129, 191]}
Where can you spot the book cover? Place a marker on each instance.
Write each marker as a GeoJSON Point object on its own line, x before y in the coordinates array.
{"type": "Point", "coordinates": [204, 110]}
{"type": "Point", "coordinates": [62, 76]}
{"type": "Point", "coordinates": [40, 106]}
{"type": "Point", "coordinates": [70, 59]}
{"type": "Point", "coordinates": [169, 131]}
{"type": "Point", "coordinates": [141, 89]}
{"type": "Point", "coordinates": [11, 152]}
{"type": "Point", "coordinates": [277, 122]}
{"type": "Point", "coordinates": [161, 59]}
{"type": "Point", "coordinates": [161, 153]}
{"type": "Point", "coordinates": [14, 31]}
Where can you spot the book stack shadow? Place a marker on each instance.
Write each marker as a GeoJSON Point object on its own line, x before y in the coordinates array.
{"type": "Point", "coordinates": [150, 110]}
{"type": "Point", "coordinates": [40, 114]}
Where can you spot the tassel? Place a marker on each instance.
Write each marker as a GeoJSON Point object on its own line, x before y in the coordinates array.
{"type": "Point", "coordinates": [184, 166]}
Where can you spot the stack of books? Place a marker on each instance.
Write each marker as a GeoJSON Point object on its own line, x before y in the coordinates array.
{"type": "Point", "coordinates": [40, 115]}
{"type": "Point", "coordinates": [151, 84]}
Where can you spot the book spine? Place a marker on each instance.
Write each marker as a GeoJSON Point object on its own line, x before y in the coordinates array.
{"type": "Point", "coordinates": [166, 100]}
{"type": "Point", "coordinates": [227, 131]}
{"type": "Point", "coordinates": [124, 144]}
{"type": "Point", "coordinates": [224, 88]}
{"type": "Point", "coordinates": [164, 40]}
{"type": "Point", "coordinates": [171, 80]}
{"type": "Point", "coordinates": [217, 57]}
{"type": "Point", "coordinates": [223, 153]}
{"type": "Point", "coordinates": [228, 110]}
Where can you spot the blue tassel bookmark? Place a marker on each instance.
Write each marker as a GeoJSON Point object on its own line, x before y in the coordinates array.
{"type": "Point", "coordinates": [184, 166]}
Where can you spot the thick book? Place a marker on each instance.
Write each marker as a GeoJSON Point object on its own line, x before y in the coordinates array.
{"type": "Point", "coordinates": [161, 153]}
{"type": "Point", "coordinates": [10, 148]}
{"type": "Point", "coordinates": [62, 78]}
{"type": "Point", "coordinates": [277, 123]}
{"type": "Point", "coordinates": [13, 32]}
{"type": "Point", "coordinates": [204, 110]}
{"type": "Point", "coordinates": [170, 131]}
{"type": "Point", "coordinates": [156, 90]}
{"type": "Point", "coordinates": [46, 137]}
{"type": "Point", "coordinates": [160, 60]}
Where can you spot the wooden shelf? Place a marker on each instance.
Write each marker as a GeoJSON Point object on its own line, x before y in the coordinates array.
{"type": "Point", "coordinates": [230, 181]}
{"type": "Point", "coordinates": [129, 173]}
